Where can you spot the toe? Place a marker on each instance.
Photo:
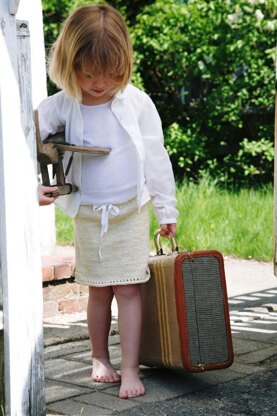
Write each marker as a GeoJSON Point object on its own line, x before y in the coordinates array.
{"type": "Point", "coordinates": [116, 378]}
{"type": "Point", "coordinates": [123, 395]}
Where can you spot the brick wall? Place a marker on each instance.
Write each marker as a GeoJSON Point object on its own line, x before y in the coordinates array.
{"type": "Point", "coordinates": [61, 294]}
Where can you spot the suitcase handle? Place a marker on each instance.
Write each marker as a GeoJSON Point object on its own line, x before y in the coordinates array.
{"type": "Point", "coordinates": [157, 241]}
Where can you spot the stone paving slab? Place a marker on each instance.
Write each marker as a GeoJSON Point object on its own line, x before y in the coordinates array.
{"type": "Point", "coordinates": [259, 356]}
{"type": "Point", "coordinates": [108, 401]}
{"type": "Point", "coordinates": [57, 391]}
{"type": "Point", "coordinates": [71, 372]}
{"type": "Point", "coordinates": [75, 408]}
{"type": "Point", "coordinates": [242, 346]}
{"type": "Point", "coordinates": [64, 333]}
{"type": "Point", "coordinates": [62, 350]}
{"type": "Point", "coordinates": [166, 387]}
{"type": "Point", "coordinates": [167, 384]}
{"type": "Point", "coordinates": [265, 327]}
{"type": "Point", "coordinates": [251, 335]}
{"type": "Point", "coordinates": [241, 368]}
{"type": "Point", "coordinates": [85, 356]}
{"type": "Point", "coordinates": [253, 395]}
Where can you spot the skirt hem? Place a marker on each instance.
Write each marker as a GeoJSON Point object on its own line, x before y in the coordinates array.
{"type": "Point", "coordinates": [115, 282]}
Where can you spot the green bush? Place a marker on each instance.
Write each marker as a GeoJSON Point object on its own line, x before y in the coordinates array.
{"type": "Point", "coordinates": [249, 167]}
{"type": "Point", "coordinates": [176, 140]}
{"type": "Point", "coordinates": [209, 66]}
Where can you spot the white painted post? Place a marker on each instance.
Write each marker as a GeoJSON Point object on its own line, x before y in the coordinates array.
{"type": "Point", "coordinates": [19, 225]}
{"type": "Point", "coordinates": [32, 11]}
{"type": "Point", "coordinates": [275, 177]}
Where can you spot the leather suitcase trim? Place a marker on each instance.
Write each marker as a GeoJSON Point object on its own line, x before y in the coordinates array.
{"type": "Point", "coordinates": [182, 316]}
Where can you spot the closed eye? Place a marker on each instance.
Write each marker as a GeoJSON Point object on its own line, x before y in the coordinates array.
{"type": "Point", "coordinates": [87, 75]}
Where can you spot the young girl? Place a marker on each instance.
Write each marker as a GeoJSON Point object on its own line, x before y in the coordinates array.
{"type": "Point", "coordinates": [91, 62]}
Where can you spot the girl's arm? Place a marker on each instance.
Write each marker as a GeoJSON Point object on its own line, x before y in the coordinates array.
{"type": "Point", "coordinates": [158, 169]}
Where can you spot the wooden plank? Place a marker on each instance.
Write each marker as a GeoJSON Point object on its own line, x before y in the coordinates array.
{"type": "Point", "coordinates": [19, 228]}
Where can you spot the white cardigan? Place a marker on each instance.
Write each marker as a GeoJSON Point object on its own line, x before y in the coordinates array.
{"type": "Point", "coordinates": [137, 114]}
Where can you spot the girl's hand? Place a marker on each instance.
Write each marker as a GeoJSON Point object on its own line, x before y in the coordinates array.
{"type": "Point", "coordinates": [43, 194]}
{"type": "Point", "coordinates": [168, 230]}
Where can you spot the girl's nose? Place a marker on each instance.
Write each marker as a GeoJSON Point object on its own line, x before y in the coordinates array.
{"type": "Point", "coordinates": [99, 81]}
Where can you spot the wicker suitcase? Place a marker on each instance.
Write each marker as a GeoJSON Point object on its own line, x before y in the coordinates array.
{"type": "Point", "coordinates": [185, 320]}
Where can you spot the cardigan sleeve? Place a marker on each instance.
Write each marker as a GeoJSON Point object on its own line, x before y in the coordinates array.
{"type": "Point", "coordinates": [158, 169]}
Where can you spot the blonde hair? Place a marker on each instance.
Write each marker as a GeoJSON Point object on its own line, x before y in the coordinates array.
{"type": "Point", "coordinates": [93, 39]}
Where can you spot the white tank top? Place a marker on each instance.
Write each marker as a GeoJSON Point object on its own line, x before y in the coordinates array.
{"type": "Point", "coordinates": [110, 179]}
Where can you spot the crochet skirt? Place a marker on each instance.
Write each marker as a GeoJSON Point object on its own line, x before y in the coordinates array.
{"type": "Point", "coordinates": [112, 244]}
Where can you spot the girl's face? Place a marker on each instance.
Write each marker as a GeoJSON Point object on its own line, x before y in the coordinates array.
{"type": "Point", "coordinates": [96, 89]}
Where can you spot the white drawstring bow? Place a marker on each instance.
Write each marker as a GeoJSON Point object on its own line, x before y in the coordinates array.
{"type": "Point", "coordinates": [106, 210]}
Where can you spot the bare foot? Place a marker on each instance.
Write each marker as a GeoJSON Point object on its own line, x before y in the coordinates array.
{"type": "Point", "coordinates": [131, 385]}
{"type": "Point", "coordinates": [103, 371]}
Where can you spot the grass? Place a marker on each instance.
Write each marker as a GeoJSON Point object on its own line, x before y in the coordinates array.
{"type": "Point", "coordinates": [236, 223]}
{"type": "Point", "coordinates": [64, 228]}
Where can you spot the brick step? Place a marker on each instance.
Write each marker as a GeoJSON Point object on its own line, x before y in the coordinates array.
{"type": "Point", "coordinates": [61, 294]}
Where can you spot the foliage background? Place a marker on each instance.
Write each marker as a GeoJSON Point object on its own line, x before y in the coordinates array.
{"type": "Point", "coordinates": [209, 68]}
